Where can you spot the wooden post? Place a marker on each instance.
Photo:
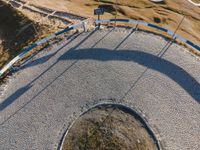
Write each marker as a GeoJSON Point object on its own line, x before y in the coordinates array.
{"type": "Point", "coordinates": [115, 13]}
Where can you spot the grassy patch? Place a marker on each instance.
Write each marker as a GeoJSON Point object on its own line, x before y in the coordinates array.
{"type": "Point", "coordinates": [196, 1]}
{"type": "Point", "coordinates": [167, 14]}
{"type": "Point", "coordinates": [108, 129]}
{"type": "Point", "coordinates": [17, 32]}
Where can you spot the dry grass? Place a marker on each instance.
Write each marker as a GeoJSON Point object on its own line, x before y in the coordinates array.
{"type": "Point", "coordinates": [196, 1]}
{"type": "Point", "coordinates": [108, 129]}
{"type": "Point", "coordinates": [167, 14]}
{"type": "Point", "coordinates": [17, 31]}
{"type": "Point", "coordinates": [11, 23]}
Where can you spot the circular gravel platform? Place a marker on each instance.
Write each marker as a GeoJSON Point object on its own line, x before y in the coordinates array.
{"type": "Point", "coordinates": [140, 70]}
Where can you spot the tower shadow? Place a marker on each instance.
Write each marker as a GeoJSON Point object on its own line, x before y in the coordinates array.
{"type": "Point", "coordinates": [173, 71]}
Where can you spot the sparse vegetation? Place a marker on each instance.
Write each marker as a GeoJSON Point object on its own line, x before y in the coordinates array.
{"type": "Point", "coordinates": [196, 1]}
{"type": "Point", "coordinates": [167, 14]}
{"type": "Point", "coordinates": [11, 22]}
{"type": "Point", "coordinates": [17, 31]}
{"type": "Point", "coordinates": [108, 129]}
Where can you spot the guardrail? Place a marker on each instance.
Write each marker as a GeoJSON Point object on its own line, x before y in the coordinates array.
{"type": "Point", "coordinates": [34, 45]}
{"type": "Point", "coordinates": [83, 24]}
{"type": "Point", "coordinates": [173, 34]}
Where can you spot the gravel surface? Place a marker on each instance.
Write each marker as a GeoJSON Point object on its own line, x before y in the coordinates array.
{"type": "Point", "coordinates": [124, 66]}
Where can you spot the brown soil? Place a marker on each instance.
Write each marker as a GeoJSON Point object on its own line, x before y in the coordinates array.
{"type": "Point", "coordinates": [196, 1]}
{"type": "Point", "coordinates": [20, 29]}
{"type": "Point", "coordinates": [108, 129]}
{"type": "Point", "coordinates": [167, 14]}
{"type": "Point", "coordinates": [17, 31]}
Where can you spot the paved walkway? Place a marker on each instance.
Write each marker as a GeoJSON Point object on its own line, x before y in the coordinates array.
{"type": "Point", "coordinates": [144, 71]}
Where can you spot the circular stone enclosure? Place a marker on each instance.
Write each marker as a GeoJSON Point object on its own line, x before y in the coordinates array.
{"type": "Point", "coordinates": [110, 126]}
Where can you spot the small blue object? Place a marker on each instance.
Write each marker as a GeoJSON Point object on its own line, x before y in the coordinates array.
{"type": "Point", "coordinates": [63, 31]}
{"type": "Point", "coordinates": [99, 11]}
{"type": "Point", "coordinates": [157, 27]}
{"type": "Point", "coordinates": [193, 45]}
{"type": "Point", "coordinates": [120, 20]}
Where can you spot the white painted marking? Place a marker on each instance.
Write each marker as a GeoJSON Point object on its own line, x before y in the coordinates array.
{"type": "Point", "coordinates": [41, 41]}
{"type": "Point", "coordinates": [170, 32]}
{"type": "Point", "coordinates": [133, 21]}
{"type": "Point", "coordinates": [143, 23]}
{"type": "Point", "coordinates": [196, 4]}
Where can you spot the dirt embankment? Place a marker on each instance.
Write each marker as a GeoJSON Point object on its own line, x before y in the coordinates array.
{"type": "Point", "coordinates": [167, 14]}
{"type": "Point", "coordinates": [108, 128]}
{"type": "Point", "coordinates": [196, 1]}
{"type": "Point", "coordinates": [16, 32]}
{"type": "Point", "coordinates": [11, 22]}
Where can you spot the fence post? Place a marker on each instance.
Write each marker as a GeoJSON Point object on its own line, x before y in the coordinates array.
{"type": "Point", "coordinates": [84, 26]}
{"type": "Point", "coordinates": [136, 27]}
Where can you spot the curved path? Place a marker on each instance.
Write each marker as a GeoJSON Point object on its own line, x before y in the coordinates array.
{"type": "Point", "coordinates": [144, 71]}
{"type": "Point", "coordinates": [196, 4]}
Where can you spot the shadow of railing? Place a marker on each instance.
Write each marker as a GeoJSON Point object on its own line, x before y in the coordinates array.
{"type": "Point", "coordinates": [21, 91]}
{"type": "Point", "coordinates": [154, 62]}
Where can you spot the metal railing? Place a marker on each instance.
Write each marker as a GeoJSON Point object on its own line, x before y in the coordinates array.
{"type": "Point", "coordinates": [169, 32]}
{"type": "Point", "coordinates": [36, 44]}
{"type": "Point", "coordinates": [83, 24]}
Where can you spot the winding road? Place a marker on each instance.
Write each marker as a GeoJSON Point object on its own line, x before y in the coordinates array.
{"type": "Point", "coordinates": [158, 78]}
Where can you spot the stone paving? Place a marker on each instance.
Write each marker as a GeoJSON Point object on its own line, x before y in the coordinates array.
{"type": "Point", "coordinates": [144, 71]}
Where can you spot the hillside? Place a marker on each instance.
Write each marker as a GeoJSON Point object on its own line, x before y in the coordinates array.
{"type": "Point", "coordinates": [20, 28]}
{"type": "Point", "coordinates": [18, 31]}
{"type": "Point", "coordinates": [11, 23]}
{"type": "Point", "coordinates": [167, 14]}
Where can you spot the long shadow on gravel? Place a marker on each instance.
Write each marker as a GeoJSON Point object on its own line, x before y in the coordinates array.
{"type": "Point", "coordinates": [176, 73]}
{"type": "Point", "coordinates": [47, 57]}
{"type": "Point", "coordinates": [18, 93]}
